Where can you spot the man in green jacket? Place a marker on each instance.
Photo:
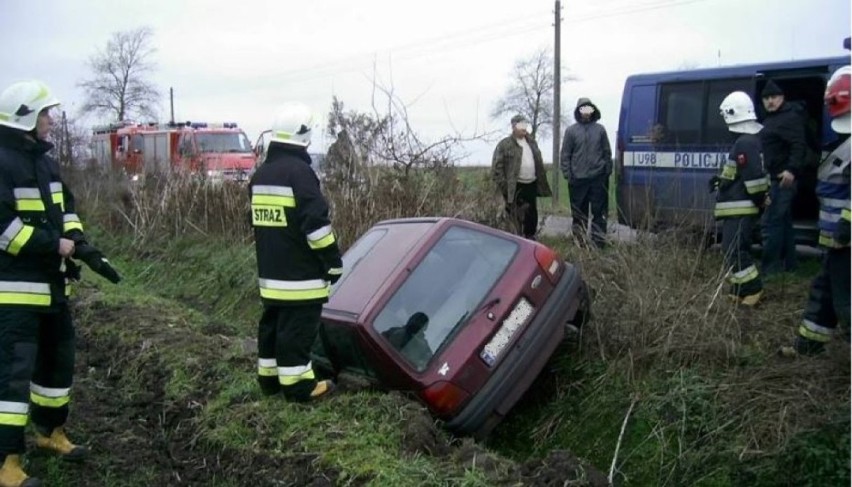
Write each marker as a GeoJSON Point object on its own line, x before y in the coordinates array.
{"type": "Point", "coordinates": [518, 172]}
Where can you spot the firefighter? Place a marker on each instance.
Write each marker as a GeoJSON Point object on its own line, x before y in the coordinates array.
{"type": "Point", "coordinates": [297, 258]}
{"type": "Point", "coordinates": [829, 299]}
{"type": "Point", "coordinates": [38, 230]}
{"type": "Point", "coordinates": [742, 188]}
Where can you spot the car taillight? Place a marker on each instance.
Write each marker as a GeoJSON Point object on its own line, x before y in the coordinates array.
{"type": "Point", "coordinates": [548, 261]}
{"type": "Point", "coordinates": [443, 397]}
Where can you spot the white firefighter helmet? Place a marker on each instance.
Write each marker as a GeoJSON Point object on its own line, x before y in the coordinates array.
{"type": "Point", "coordinates": [21, 103]}
{"type": "Point", "coordinates": [738, 111]}
{"type": "Point", "coordinates": [292, 125]}
{"type": "Point", "coordinates": [838, 99]}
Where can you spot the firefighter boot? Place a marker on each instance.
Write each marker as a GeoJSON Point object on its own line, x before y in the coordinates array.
{"type": "Point", "coordinates": [12, 475]}
{"type": "Point", "coordinates": [59, 443]}
{"type": "Point", "coordinates": [323, 388]}
{"type": "Point", "coordinates": [751, 299]}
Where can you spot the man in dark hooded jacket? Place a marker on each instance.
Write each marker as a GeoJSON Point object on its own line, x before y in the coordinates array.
{"type": "Point", "coordinates": [784, 153]}
{"type": "Point", "coordinates": [586, 162]}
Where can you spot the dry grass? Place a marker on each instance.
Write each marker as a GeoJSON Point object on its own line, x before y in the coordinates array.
{"type": "Point", "coordinates": [660, 310]}
{"type": "Point", "coordinates": [163, 208]}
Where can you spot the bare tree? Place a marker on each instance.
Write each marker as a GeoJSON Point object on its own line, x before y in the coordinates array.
{"type": "Point", "coordinates": [119, 84]}
{"type": "Point", "coordinates": [530, 92]}
{"type": "Point", "coordinates": [70, 141]}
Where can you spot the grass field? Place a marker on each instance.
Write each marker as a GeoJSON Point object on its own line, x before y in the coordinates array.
{"type": "Point", "coordinates": [668, 384]}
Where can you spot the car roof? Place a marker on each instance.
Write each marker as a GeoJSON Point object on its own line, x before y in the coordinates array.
{"type": "Point", "coordinates": [370, 275]}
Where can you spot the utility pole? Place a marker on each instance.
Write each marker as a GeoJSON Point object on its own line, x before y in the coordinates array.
{"type": "Point", "coordinates": [557, 102]}
{"type": "Point", "coordinates": [66, 142]}
{"type": "Point", "coordinates": [172, 104]}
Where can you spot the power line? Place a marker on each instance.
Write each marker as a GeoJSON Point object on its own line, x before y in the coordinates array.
{"type": "Point", "coordinates": [461, 40]}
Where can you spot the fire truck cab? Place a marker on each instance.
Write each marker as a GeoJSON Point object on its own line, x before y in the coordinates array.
{"type": "Point", "coordinates": [218, 151]}
{"type": "Point", "coordinates": [215, 151]}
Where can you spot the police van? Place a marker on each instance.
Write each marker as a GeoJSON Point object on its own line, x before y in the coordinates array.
{"type": "Point", "coordinates": [671, 139]}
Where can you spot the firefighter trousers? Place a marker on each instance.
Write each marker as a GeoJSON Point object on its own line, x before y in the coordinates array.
{"type": "Point", "coordinates": [828, 302]}
{"type": "Point", "coordinates": [736, 245]}
{"type": "Point", "coordinates": [36, 371]}
{"type": "Point", "coordinates": [285, 337]}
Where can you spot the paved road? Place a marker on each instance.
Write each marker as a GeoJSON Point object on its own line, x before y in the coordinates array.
{"type": "Point", "coordinates": [555, 225]}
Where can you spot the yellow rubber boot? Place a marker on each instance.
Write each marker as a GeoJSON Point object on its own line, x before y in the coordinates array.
{"type": "Point", "coordinates": [323, 388]}
{"type": "Point", "coordinates": [752, 299]}
{"type": "Point", "coordinates": [58, 443]}
{"type": "Point", "coordinates": [12, 475]}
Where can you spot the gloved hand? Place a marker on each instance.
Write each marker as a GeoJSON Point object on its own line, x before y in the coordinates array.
{"type": "Point", "coordinates": [713, 184]}
{"type": "Point", "coordinates": [72, 270]}
{"type": "Point", "coordinates": [97, 262]}
{"type": "Point", "coordinates": [333, 277]}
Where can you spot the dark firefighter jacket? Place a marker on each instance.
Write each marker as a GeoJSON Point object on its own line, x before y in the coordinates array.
{"type": "Point", "coordinates": [36, 209]}
{"type": "Point", "coordinates": [297, 254]}
{"type": "Point", "coordinates": [742, 184]}
{"type": "Point", "coordinates": [833, 192]}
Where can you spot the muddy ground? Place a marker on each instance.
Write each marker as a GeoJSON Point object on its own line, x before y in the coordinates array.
{"type": "Point", "coordinates": [138, 437]}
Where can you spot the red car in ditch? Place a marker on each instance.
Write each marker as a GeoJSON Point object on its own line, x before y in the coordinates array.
{"type": "Point", "coordinates": [459, 314]}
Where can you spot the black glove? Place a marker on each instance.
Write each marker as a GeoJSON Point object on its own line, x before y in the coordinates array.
{"type": "Point", "coordinates": [713, 184]}
{"type": "Point", "coordinates": [72, 270]}
{"type": "Point", "coordinates": [97, 262]}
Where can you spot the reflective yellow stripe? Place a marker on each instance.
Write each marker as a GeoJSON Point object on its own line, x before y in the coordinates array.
{"type": "Point", "coordinates": [267, 367]}
{"type": "Point", "coordinates": [49, 402]}
{"type": "Point", "coordinates": [273, 200]}
{"type": "Point", "coordinates": [811, 335]}
{"type": "Point", "coordinates": [729, 171]}
{"type": "Point", "coordinates": [828, 241]}
{"type": "Point", "coordinates": [267, 371]}
{"type": "Point", "coordinates": [336, 271]}
{"type": "Point", "coordinates": [757, 185]}
{"type": "Point", "coordinates": [846, 214]}
{"type": "Point", "coordinates": [322, 243]}
{"type": "Point", "coordinates": [20, 240]}
{"type": "Point", "coordinates": [293, 290]}
{"type": "Point", "coordinates": [736, 211]}
{"type": "Point", "coordinates": [29, 205]}
{"type": "Point", "coordinates": [58, 200]}
{"type": "Point", "coordinates": [748, 274]}
{"type": "Point", "coordinates": [68, 226]}
{"type": "Point", "coordinates": [294, 295]}
{"type": "Point", "coordinates": [10, 419]}
{"type": "Point", "coordinates": [24, 298]}
{"type": "Point", "coordinates": [287, 376]}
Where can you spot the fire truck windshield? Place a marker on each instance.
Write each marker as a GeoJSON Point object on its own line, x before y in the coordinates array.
{"type": "Point", "coordinates": [223, 142]}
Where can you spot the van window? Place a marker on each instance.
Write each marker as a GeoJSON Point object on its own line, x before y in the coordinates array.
{"type": "Point", "coordinates": [681, 109]}
{"type": "Point", "coordinates": [715, 129]}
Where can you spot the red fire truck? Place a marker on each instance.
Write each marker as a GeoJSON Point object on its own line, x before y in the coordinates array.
{"type": "Point", "coordinates": [215, 151]}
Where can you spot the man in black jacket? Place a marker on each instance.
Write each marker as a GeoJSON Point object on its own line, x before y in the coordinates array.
{"type": "Point", "coordinates": [784, 152]}
{"type": "Point", "coordinates": [297, 258]}
{"type": "Point", "coordinates": [39, 233]}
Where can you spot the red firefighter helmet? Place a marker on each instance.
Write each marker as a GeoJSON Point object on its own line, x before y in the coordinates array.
{"type": "Point", "coordinates": [837, 99]}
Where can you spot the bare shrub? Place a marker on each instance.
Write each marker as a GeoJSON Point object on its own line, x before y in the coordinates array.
{"type": "Point", "coordinates": [164, 207]}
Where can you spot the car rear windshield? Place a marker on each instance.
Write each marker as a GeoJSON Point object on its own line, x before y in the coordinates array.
{"type": "Point", "coordinates": [442, 292]}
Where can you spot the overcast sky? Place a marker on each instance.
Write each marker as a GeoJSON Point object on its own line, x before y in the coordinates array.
{"type": "Point", "coordinates": [234, 61]}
